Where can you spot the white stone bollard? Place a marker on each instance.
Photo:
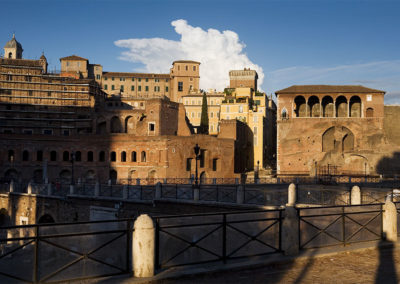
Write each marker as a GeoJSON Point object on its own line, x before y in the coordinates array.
{"type": "Point", "coordinates": [125, 191]}
{"type": "Point", "coordinates": [71, 189]}
{"type": "Point", "coordinates": [355, 197]}
{"type": "Point", "coordinates": [29, 190]}
{"type": "Point", "coordinates": [49, 189]}
{"type": "Point", "coordinates": [12, 186]}
{"type": "Point", "coordinates": [97, 189]}
{"type": "Point", "coordinates": [292, 195]}
{"type": "Point", "coordinates": [196, 193]}
{"type": "Point", "coordinates": [158, 190]}
{"type": "Point", "coordinates": [143, 247]}
{"type": "Point", "coordinates": [239, 194]}
{"type": "Point", "coordinates": [290, 231]}
{"type": "Point", "coordinates": [389, 220]}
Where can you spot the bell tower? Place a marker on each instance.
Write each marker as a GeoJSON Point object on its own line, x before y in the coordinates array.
{"type": "Point", "coordinates": [13, 49]}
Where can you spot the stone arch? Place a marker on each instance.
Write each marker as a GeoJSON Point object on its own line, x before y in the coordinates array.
{"type": "Point", "coordinates": [132, 174]}
{"type": "Point", "coordinates": [5, 221]}
{"type": "Point", "coordinates": [129, 125]}
{"type": "Point", "coordinates": [115, 125]}
{"type": "Point", "coordinates": [313, 106]}
{"type": "Point", "coordinates": [284, 114]}
{"type": "Point", "coordinates": [203, 177]}
{"type": "Point", "coordinates": [301, 106]}
{"type": "Point", "coordinates": [152, 175]}
{"type": "Point", "coordinates": [327, 106]}
{"type": "Point", "coordinates": [101, 125]}
{"type": "Point", "coordinates": [370, 112]}
{"type": "Point", "coordinates": [355, 106]}
{"type": "Point", "coordinates": [337, 139]}
{"type": "Point", "coordinates": [46, 219]}
{"type": "Point", "coordinates": [65, 177]}
{"type": "Point", "coordinates": [10, 55]}
{"type": "Point", "coordinates": [341, 107]}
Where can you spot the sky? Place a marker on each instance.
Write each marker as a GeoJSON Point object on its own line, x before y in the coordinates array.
{"type": "Point", "coordinates": [288, 42]}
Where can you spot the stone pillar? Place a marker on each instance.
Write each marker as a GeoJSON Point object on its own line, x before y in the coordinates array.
{"type": "Point", "coordinates": [355, 197]}
{"type": "Point", "coordinates": [29, 189]}
{"type": "Point", "coordinates": [71, 189]}
{"type": "Point", "coordinates": [125, 191]}
{"type": "Point", "coordinates": [290, 231]}
{"type": "Point", "coordinates": [389, 221]}
{"type": "Point", "coordinates": [49, 189]}
{"type": "Point", "coordinates": [143, 247]}
{"type": "Point", "coordinates": [239, 194]}
{"type": "Point", "coordinates": [292, 195]}
{"type": "Point", "coordinates": [158, 190]}
{"type": "Point", "coordinates": [196, 193]}
{"type": "Point", "coordinates": [97, 189]}
{"type": "Point", "coordinates": [12, 186]}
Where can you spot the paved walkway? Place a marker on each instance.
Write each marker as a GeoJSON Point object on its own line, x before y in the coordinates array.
{"type": "Point", "coordinates": [376, 265]}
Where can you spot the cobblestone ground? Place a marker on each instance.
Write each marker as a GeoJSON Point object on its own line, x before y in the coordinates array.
{"type": "Point", "coordinates": [366, 266]}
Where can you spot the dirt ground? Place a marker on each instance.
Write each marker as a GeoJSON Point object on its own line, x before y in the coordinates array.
{"type": "Point", "coordinates": [381, 265]}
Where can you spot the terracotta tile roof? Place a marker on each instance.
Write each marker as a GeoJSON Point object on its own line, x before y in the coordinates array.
{"type": "Point", "coordinates": [136, 75]}
{"type": "Point", "coordinates": [73, 57]}
{"type": "Point", "coordinates": [306, 89]}
{"type": "Point", "coordinates": [20, 62]}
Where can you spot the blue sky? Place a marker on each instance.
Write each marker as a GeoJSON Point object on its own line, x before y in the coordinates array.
{"type": "Point", "coordinates": [288, 42]}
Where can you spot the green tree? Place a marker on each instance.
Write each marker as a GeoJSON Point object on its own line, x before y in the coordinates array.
{"type": "Point", "coordinates": [203, 129]}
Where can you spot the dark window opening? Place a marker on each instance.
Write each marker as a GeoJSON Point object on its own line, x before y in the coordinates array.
{"type": "Point", "coordinates": [102, 156]}
{"type": "Point", "coordinates": [113, 156]}
{"type": "Point", "coordinates": [25, 155]}
{"type": "Point", "coordinates": [39, 156]}
{"type": "Point", "coordinates": [65, 156]}
{"type": "Point", "coordinates": [90, 156]}
{"type": "Point", "coordinates": [133, 156]}
{"type": "Point", "coordinates": [53, 156]}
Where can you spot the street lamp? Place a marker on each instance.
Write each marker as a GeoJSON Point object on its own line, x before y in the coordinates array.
{"type": "Point", "coordinates": [72, 167]}
{"type": "Point", "coordinates": [197, 153]}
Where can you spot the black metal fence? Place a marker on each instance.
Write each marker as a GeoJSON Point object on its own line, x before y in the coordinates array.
{"type": "Point", "coordinates": [339, 225]}
{"type": "Point", "coordinates": [202, 238]}
{"type": "Point", "coordinates": [49, 253]}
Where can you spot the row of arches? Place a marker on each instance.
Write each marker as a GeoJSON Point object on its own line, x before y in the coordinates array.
{"type": "Point", "coordinates": [116, 125]}
{"type": "Point", "coordinates": [328, 107]}
{"type": "Point", "coordinates": [66, 156]}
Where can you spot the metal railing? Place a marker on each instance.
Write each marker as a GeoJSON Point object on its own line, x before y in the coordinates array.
{"type": "Point", "coordinates": [339, 225]}
{"type": "Point", "coordinates": [48, 253]}
{"type": "Point", "coordinates": [203, 238]}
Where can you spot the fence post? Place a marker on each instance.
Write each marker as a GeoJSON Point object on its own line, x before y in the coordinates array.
{"type": "Point", "coordinates": [355, 198]}
{"type": "Point", "coordinates": [49, 189]}
{"type": "Point", "coordinates": [292, 195]}
{"type": "Point", "coordinates": [97, 189]}
{"type": "Point", "coordinates": [239, 194]}
{"type": "Point", "coordinates": [125, 191]}
{"type": "Point", "coordinates": [11, 187]}
{"type": "Point", "coordinates": [71, 189]}
{"type": "Point", "coordinates": [389, 225]}
{"type": "Point", "coordinates": [143, 247]}
{"type": "Point", "coordinates": [29, 189]}
{"type": "Point", "coordinates": [290, 231]}
{"type": "Point", "coordinates": [158, 191]}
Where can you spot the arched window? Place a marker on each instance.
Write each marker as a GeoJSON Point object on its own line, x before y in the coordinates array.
{"type": "Point", "coordinates": [284, 114]}
{"type": "Point", "coordinates": [53, 156]}
{"type": "Point", "coordinates": [301, 106]}
{"type": "Point", "coordinates": [355, 106]}
{"type": "Point", "coordinates": [39, 155]}
{"type": "Point", "coordinates": [65, 156]}
{"type": "Point", "coordinates": [313, 106]}
{"type": "Point", "coordinates": [341, 107]}
{"type": "Point", "coordinates": [102, 156]}
{"type": "Point", "coordinates": [25, 155]}
{"type": "Point", "coordinates": [143, 156]}
{"type": "Point", "coordinates": [11, 156]}
{"type": "Point", "coordinates": [113, 156]}
{"type": "Point", "coordinates": [90, 156]}
{"type": "Point", "coordinates": [129, 125]}
{"type": "Point", "coordinates": [78, 156]}
{"type": "Point", "coordinates": [327, 107]}
{"type": "Point", "coordinates": [115, 125]}
{"type": "Point", "coordinates": [123, 156]}
{"type": "Point", "coordinates": [10, 55]}
{"type": "Point", "coordinates": [113, 176]}
{"type": "Point", "coordinates": [133, 156]}
{"type": "Point", "coordinates": [370, 112]}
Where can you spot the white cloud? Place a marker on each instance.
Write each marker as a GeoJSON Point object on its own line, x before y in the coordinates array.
{"type": "Point", "coordinates": [217, 51]}
{"type": "Point", "coordinates": [382, 75]}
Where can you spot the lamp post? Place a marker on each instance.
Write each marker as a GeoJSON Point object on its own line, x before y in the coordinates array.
{"type": "Point", "coordinates": [197, 153]}
{"type": "Point", "coordinates": [72, 167]}
{"type": "Point", "coordinates": [365, 169]}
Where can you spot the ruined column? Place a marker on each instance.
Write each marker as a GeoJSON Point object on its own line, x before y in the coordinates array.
{"type": "Point", "coordinates": [355, 197]}
{"type": "Point", "coordinates": [292, 195]}
{"type": "Point", "coordinates": [389, 225]}
{"type": "Point", "coordinates": [143, 247]}
{"type": "Point", "coordinates": [290, 231]}
{"type": "Point", "coordinates": [239, 194]}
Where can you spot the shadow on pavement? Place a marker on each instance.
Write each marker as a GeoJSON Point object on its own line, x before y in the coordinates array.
{"type": "Point", "coordinates": [386, 272]}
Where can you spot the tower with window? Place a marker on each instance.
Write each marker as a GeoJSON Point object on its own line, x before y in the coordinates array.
{"type": "Point", "coordinates": [13, 49]}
